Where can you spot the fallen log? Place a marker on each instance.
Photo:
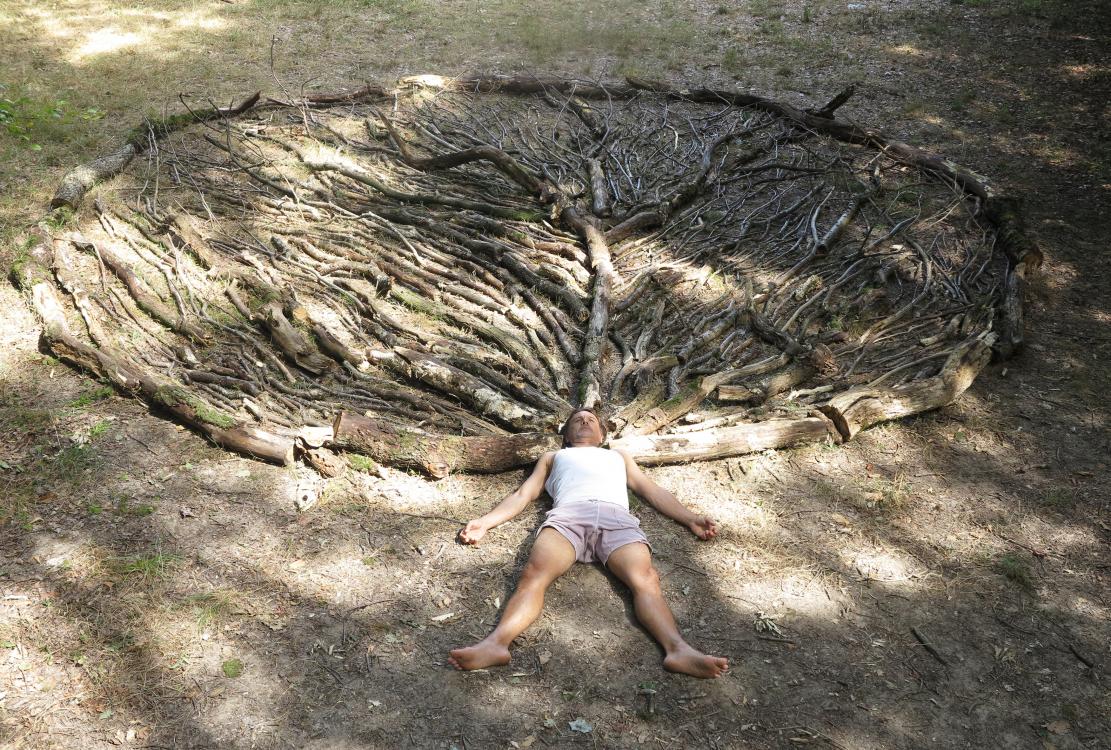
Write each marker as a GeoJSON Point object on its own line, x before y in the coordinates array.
{"type": "Point", "coordinates": [724, 442]}
{"type": "Point", "coordinates": [439, 455]}
{"type": "Point", "coordinates": [860, 408]}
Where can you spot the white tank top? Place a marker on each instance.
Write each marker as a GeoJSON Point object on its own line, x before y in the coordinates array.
{"type": "Point", "coordinates": [588, 474]}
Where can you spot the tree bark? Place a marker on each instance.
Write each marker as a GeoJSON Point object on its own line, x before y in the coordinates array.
{"type": "Point", "coordinates": [860, 408]}
{"type": "Point", "coordinates": [439, 455]}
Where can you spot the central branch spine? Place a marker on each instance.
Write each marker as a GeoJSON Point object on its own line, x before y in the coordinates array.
{"type": "Point", "coordinates": [590, 389]}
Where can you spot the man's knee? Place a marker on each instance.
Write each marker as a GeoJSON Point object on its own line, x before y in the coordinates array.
{"type": "Point", "coordinates": [643, 578]}
{"type": "Point", "coordinates": [537, 574]}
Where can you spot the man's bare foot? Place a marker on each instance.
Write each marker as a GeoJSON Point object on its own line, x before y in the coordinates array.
{"type": "Point", "coordinates": [483, 654]}
{"type": "Point", "coordinates": [687, 660]}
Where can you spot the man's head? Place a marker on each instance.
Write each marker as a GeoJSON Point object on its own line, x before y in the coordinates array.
{"type": "Point", "coordinates": [583, 428]}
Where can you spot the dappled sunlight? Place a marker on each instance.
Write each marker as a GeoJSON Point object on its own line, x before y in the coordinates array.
{"type": "Point", "coordinates": [93, 32]}
{"type": "Point", "coordinates": [909, 50]}
{"type": "Point", "coordinates": [106, 40]}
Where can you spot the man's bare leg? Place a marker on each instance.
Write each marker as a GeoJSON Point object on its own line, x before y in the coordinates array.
{"type": "Point", "coordinates": [632, 563]}
{"type": "Point", "coordinates": [551, 556]}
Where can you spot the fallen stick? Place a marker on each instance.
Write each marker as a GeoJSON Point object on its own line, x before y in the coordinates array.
{"type": "Point", "coordinates": [928, 646]}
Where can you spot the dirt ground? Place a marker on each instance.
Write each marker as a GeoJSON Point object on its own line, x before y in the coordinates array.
{"type": "Point", "coordinates": [158, 592]}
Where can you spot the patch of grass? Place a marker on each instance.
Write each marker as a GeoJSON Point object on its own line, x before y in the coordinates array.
{"type": "Point", "coordinates": [214, 606]}
{"type": "Point", "coordinates": [151, 566]}
{"type": "Point", "coordinates": [913, 107]}
{"type": "Point", "coordinates": [124, 507]}
{"type": "Point", "coordinates": [828, 491]}
{"type": "Point", "coordinates": [765, 8]}
{"type": "Point", "coordinates": [963, 99]}
{"type": "Point", "coordinates": [95, 509]}
{"type": "Point", "coordinates": [886, 494]}
{"type": "Point", "coordinates": [1059, 497]}
{"type": "Point", "coordinates": [31, 121]}
{"type": "Point", "coordinates": [232, 668]}
{"type": "Point", "coordinates": [16, 510]}
{"type": "Point", "coordinates": [1015, 570]}
{"type": "Point", "coordinates": [59, 218]}
{"type": "Point", "coordinates": [99, 428]}
{"type": "Point", "coordinates": [70, 463]}
{"type": "Point", "coordinates": [91, 396]}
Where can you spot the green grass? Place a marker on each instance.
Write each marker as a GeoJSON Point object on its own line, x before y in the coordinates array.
{"type": "Point", "coordinates": [99, 428]}
{"type": "Point", "coordinates": [1059, 497]}
{"type": "Point", "coordinates": [362, 463]}
{"type": "Point", "coordinates": [232, 668]}
{"type": "Point", "coordinates": [92, 396]}
{"type": "Point", "coordinates": [152, 566]}
{"type": "Point", "coordinates": [214, 607]}
{"type": "Point", "coordinates": [71, 462]}
{"type": "Point", "coordinates": [1015, 570]}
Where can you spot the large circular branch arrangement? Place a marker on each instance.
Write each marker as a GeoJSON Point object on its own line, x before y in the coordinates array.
{"type": "Point", "coordinates": [434, 275]}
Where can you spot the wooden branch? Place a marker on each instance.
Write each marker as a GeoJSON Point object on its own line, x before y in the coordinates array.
{"type": "Point", "coordinates": [724, 442]}
{"type": "Point", "coordinates": [471, 390]}
{"type": "Point", "coordinates": [600, 198]}
{"type": "Point", "coordinates": [504, 163]}
{"type": "Point", "coordinates": [439, 455]}
{"type": "Point", "coordinates": [860, 408]}
{"type": "Point", "coordinates": [147, 300]}
{"type": "Point", "coordinates": [768, 387]}
{"type": "Point", "coordinates": [590, 388]}
{"type": "Point", "coordinates": [78, 181]}
{"type": "Point", "coordinates": [222, 429]}
{"type": "Point", "coordinates": [292, 342]}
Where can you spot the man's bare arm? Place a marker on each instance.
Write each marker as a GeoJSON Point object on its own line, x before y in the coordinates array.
{"type": "Point", "coordinates": [513, 503]}
{"type": "Point", "coordinates": [704, 527]}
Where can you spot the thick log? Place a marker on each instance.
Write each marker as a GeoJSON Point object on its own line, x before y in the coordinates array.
{"type": "Point", "coordinates": [81, 179]}
{"type": "Point", "coordinates": [590, 388]}
{"type": "Point", "coordinates": [600, 197]}
{"type": "Point", "coordinates": [294, 344]}
{"type": "Point", "coordinates": [860, 408]}
{"type": "Point", "coordinates": [439, 455]}
{"type": "Point", "coordinates": [652, 450]}
{"type": "Point", "coordinates": [768, 387]}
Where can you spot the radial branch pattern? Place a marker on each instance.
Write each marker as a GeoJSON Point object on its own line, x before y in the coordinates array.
{"type": "Point", "coordinates": [479, 262]}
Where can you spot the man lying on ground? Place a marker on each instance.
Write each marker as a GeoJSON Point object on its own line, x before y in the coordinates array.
{"type": "Point", "coordinates": [589, 521]}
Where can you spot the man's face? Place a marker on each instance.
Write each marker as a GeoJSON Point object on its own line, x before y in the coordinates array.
{"type": "Point", "coordinates": [583, 429]}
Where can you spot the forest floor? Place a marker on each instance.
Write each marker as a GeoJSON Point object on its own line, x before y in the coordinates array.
{"type": "Point", "coordinates": [156, 591]}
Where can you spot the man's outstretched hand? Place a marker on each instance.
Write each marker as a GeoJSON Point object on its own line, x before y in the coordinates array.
{"type": "Point", "coordinates": [704, 527]}
{"type": "Point", "coordinates": [474, 531]}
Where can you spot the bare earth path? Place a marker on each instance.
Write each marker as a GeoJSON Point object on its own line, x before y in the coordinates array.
{"type": "Point", "coordinates": [942, 582]}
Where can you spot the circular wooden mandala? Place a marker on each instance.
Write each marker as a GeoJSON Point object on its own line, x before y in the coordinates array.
{"type": "Point", "coordinates": [438, 273]}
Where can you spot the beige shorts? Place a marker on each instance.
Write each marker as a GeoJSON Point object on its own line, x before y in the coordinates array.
{"type": "Point", "coordinates": [595, 529]}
